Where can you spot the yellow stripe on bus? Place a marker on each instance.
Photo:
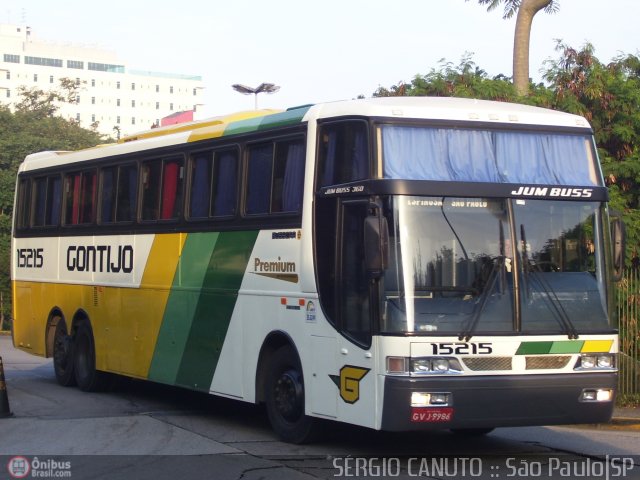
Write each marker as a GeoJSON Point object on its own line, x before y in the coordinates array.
{"type": "Point", "coordinates": [596, 346]}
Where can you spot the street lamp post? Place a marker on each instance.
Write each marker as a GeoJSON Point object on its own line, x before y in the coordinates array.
{"type": "Point", "coordinates": [262, 88]}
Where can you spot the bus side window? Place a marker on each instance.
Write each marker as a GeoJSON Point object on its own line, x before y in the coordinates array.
{"type": "Point", "coordinates": [118, 193]}
{"type": "Point", "coordinates": [288, 177]}
{"type": "Point", "coordinates": [24, 203]}
{"type": "Point", "coordinates": [127, 193]}
{"type": "Point", "coordinates": [39, 201]}
{"type": "Point", "coordinates": [108, 188]}
{"type": "Point", "coordinates": [276, 176]}
{"type": "Point", "coordinates": [162, 189]}
{"type": "Point", "coordinates": [200, 199]}
{"type": "Point", "coordinates": [259, 178]}
{"type": "Point", "coordinates": [80, 197]}
{"type": "Point", "coordinates": [225, 184]}
{"type": "Point", "coordinates": [344, 153]}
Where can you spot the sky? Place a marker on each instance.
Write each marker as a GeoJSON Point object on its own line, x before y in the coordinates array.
{"type": "Point", "coordinates": [318, 51]}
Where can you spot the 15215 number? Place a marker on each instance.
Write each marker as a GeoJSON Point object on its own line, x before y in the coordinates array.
{"type": "Point", "coordinates": [30, 257]}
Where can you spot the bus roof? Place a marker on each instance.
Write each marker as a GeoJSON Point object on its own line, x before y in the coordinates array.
{"type": "Point", "coordinates": [428, 108]}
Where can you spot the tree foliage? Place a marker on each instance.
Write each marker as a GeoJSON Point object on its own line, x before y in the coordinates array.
{"type": "Point", "coordinates": [32, 128]}
{"type": "Point", "coordinates": [608, 95]}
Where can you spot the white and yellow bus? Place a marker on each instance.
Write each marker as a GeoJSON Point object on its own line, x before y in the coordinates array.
{"type": "Point", "coordinates": [396, 263]}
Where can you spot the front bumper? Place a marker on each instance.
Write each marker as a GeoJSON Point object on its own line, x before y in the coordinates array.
{"type": "Point", "coordinates": [500, 401]}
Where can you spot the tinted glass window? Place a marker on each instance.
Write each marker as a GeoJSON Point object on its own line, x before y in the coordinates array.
{"type": "Point", "coordinates": [344, 153]}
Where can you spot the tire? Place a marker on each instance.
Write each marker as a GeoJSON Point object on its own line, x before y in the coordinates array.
{"type": "Point", "coordinates": [63, 358]}
{"type": "Point", "coordinates": [284, 395]}
{"type": "Point", "coordinates": [87, 377]}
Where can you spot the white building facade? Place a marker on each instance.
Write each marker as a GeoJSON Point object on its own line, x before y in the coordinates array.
{"type": "Point", "coordinates": [112, 97]}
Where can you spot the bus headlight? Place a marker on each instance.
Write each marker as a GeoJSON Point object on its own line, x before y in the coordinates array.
{"type": "Point", "coordinates": [434, 365]}
{"type": "Point", "coordinates": [423, 366]}
{"type": "Point", "coordinates": [596, 361]}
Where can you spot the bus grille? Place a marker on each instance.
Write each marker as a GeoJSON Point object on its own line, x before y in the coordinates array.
{"type": "Point", "coordinates": [547, 362]}
{"type": "Point", "coordinates": [480, 364]}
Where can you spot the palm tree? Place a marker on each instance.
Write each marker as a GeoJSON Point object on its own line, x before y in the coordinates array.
{"type": "Point", "coordinates": [526, 11]}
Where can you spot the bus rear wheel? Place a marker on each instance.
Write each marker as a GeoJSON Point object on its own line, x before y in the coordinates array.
{"type": "Point", "coordinates": [63, 355]}
{"type": "Point", "coordinates": [87, 377]}
{"type": "Point", "coordinates": [285, 398]}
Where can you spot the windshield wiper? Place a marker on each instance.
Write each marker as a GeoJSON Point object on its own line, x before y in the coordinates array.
{"type": "Point", "coordinates": [561, 315]}
{"type": "Point", "coordinates": [497, 272]}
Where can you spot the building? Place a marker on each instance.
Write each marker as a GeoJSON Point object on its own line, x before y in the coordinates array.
{"type": "Point", "coordinates": [117, 99]}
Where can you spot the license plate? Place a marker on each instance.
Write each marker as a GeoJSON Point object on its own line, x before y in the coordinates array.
{"type": "Point", "coordinates": [431, 415]}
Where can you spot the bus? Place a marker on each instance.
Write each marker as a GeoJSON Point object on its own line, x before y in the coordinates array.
{"type": "Point", "coordinates": [393, 263]}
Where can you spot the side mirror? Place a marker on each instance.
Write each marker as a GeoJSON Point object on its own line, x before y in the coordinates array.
{"type": "Point", "coordinates": [376, 244]}
{"type": "Point", "coordinates": [618, 240]}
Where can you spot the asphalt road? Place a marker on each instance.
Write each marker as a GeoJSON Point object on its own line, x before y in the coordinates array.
{"type": "Point", "coordinates": [143, 430]}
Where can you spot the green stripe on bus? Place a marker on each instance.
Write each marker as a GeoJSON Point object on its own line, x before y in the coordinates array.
{"type": "Point", "coordinates": [214, 309]}
{"type": "Point", "coordinates": [180, 309]}
{"type": "Point", "coordinates": [534, 348]}
{"type": "Point", "coordinates": [282, 119]}
{"type": "Point", "coordinates": [567, 346]}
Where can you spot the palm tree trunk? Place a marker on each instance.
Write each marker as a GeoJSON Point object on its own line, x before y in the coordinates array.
{"type": "Point", "coordinates": [522, 37]}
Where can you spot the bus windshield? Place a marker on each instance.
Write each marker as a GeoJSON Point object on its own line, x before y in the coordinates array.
{"type": "Point", "coordinates": [456, 263]}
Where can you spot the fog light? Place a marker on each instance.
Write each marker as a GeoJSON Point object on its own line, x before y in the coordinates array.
{"type": "Point", "coordinates": [604, 395]}
{"type": "Point", "coordinates": [419, 399]}
{"type": "Point", "coordinates": [597, 395]}
{"type": "Point", "coordinates": [439, 399]}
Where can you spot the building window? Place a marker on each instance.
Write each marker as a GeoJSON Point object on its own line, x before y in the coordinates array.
{"type": "Point", "coordinates": [93, 118]}
{"type": "Point", "coordinates": [35, 77]}
{"type": "Point", "coordinates": [45, 62]}
{"type": "Point", "coordinates": [78, 99]}
{"type": "Point", "coordinates": [105, 67]}
{"type": "Point", "coordinates": [133, 86]}
{"type": "Point", "coordinates": [118, 85]}
{"type": "Point", "coordinates": [171, 106]}
{"type": "Point", "coordinates": [171, 89]}
{"type": "Point", "coordinates": [157, 105]}
{"type": "Point", "coordinates": [117, 102]}
{"type": "Point", "coordinates": [118, 119]}
{"type": "Point", "coordinates": [8, 93]}
{"type": "Point", "coordinates": [195, 90]}
{"type": "Point", "coordinates": [93, 82]}
{"type": "Point", "coordinates": [93, 100]}
{"type": "Point", "coordinates": [133, 103]}
{"type": "Point", "coordinates": [75, 64]}
{"type": "Point", "coordinates": [11, 58]}
{"type": "Point", "coordinates": [50, 78]}
{"type": "Point", "coordinates": [157, 88]}
{"type": "Point", "coordinates": [133, 120]}
{"type": "Point", "coordinates": [77, 117]}
{"type": "Point", "coordinates": [8, 75]}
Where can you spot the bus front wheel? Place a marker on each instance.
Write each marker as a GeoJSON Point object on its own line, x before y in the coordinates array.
{"type": "Point", "coordinates": [63, 355]}
{"type": "Point", "coordinates": [284, 397]}
{"type": "Point", "coordinates": [88, 378]}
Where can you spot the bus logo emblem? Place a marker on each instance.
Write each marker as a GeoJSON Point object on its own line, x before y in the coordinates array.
{"type": "Point", "coordinates": [348, 382]}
